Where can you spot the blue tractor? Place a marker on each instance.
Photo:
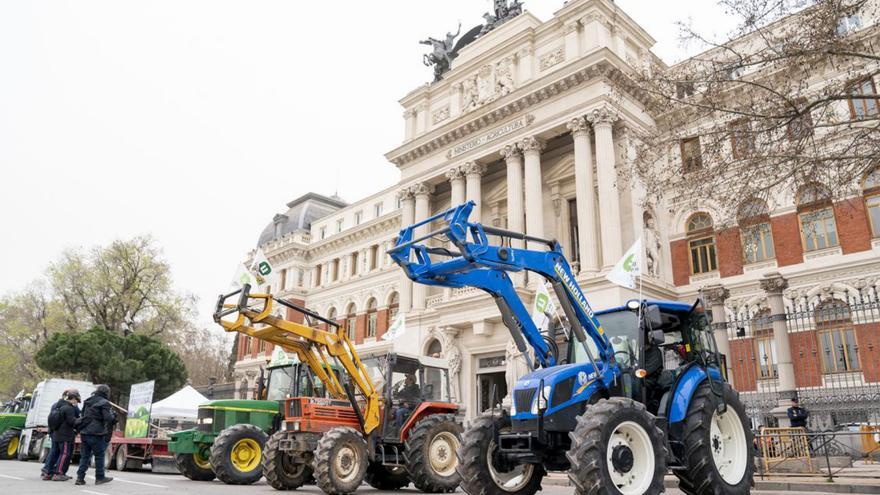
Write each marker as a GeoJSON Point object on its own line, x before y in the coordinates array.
{"type": "Point", "coordinates": [626, 395]}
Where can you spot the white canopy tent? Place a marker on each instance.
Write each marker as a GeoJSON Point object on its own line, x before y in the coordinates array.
{"type": "Point", "coordinates": [181, 405]}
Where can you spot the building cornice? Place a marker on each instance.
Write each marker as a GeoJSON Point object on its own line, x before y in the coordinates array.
{"type": "Point", "coordinates": [369, 230]}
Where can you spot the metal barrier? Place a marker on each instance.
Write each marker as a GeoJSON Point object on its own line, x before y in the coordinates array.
{"type": "Point", "coordinates": [778, 448]}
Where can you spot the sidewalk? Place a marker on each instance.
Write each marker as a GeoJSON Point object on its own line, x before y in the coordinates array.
{"type": "Point", "coordinates": [861, 478]}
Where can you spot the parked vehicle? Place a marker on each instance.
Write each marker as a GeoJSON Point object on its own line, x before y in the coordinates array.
{"type": "Point", "coordinates": [638, 390]}
{"type": "Point", "coordinates": [33, 438]}
{"type": "Point", "coordinates": [12, 420]}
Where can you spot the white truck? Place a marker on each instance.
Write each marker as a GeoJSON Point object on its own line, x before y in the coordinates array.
{"type": "Point", "coordinates": [36, 427]}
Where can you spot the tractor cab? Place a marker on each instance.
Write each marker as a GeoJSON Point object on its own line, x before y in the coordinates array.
{"type": "Point", "coordinates": [653, 342]}
{"type": "Point", "coordinates": [407, 384]}
{"type": "Point", "coordinates": [19, 405]}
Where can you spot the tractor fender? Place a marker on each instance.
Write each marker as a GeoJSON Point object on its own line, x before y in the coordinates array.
{"type": "Point", "coordinates": [426, 408]}
{"type": "Point", "coordinates": [684, 388]}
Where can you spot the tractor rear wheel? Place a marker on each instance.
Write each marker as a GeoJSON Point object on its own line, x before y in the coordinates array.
{"type": "Point", "coordinates": [340, 461]}
{"type": "Point", "coordinates": [478, 466]}
{"type": "Point", "coordinates": [194, 467]}
{"type": "Point", "coordinates": [386, 478]}
{"type": "Point", "coordinates": [718, 451]}
{"type": "Point", "coordinates": [282, 470]}
{"type": "Point", "coordinates": [616, 449]}
{"type": "Point", "coordinates": [236, 454]}
{"type": "Point", "coordinates": [430, 453]}
{"type": "Point", "coordinates": [9, 444]}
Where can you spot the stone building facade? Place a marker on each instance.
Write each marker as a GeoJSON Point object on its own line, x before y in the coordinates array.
{"type": "Point", "coordinates": [535, 123]}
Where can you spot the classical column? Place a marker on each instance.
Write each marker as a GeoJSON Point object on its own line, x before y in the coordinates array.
{"type": "Point", "coordinates": [773, 284]}
{"type": "Point", "coordinates": [407, 217]}
{"type": "Point", "coordinates": [532, 148]}
{"type": "Point", "coordinates": [586, 195]}
{"type": "Point", "coordinates": [715, 297]}
{"type": "Point", "coordinates": [515, 212]}
{"type": "Point", "coordinates": [609, 197]}
{"type": "Point", "coordinates": [457, 184]}
{"type": "Point", "coordinates": [474, 173]}
{"type": "Point", "coordinates": [422, 194]}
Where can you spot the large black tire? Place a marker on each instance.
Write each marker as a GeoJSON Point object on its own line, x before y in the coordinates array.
{"type": "Point", "coordinates": [120, 459]}
{"type": "Point", "coordinates": [701, 475]}
{"type": "Point", "coordinates": [236, 454]}
{"type": "Point", "coordinates": [386, 478]}
{"type": "Point", "coordinates": [626, 430]}
{"type": "Point", "coordinates": [430, 453]}
{"type": "Point", "coordinates": [478, 476]}
{"type": "Point", "coordinates": [340, 461]}
{"type": "Point", "coordinates": [110, 460]}
{"type": "Point", "coordinates": [9, 439]}
{"type": "Point", "coordinates": [281, 470]}
{"type": "Point", "coordinates": [187, 465]}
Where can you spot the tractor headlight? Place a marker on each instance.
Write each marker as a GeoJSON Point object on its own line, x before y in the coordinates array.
{"type": "Point", "coordinates": [541, 399]}
{"type": "Point", "coordinates": [206, 421]}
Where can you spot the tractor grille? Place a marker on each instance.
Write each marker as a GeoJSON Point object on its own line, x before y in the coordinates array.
{"type": "Point", "coordinates": [205, 413]}
{"type": "Point", "coordinates": [523, 399]}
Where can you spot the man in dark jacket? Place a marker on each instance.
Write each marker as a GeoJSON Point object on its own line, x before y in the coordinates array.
{"type": "Point", "coordinates": [95, 429]}
{"type": "Point", "coordinates": [797, 414]}
{"type": "Point", "coordinates": [62, 420]}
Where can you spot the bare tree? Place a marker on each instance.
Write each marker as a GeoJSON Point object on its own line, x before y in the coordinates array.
{"type": "Point", "coordinates": [791, 100]}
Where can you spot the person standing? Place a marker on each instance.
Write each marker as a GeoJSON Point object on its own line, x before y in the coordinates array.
{"type": "Point", "coordinates": [55, 419]}
{"type": "Point", "coordinates": [65, 434]}
{"type": "Point", "coordinates": [798, 415]}
{"type": "Point", "coordinates": [95, 430]}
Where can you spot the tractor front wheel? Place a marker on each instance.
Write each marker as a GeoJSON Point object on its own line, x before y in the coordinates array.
{"type": "Point", "coordinates": [236, 454]}
{"type": "Point", "coordinates": [386, 478]}
{"type": "Point", "coordinates": [340, 461]}
{"type": "Point", "coordinates": [616, 449]}
{"type": "Point", "coordinates": [430, 453]}
{"type": "Point", "coordinates": [478, 466]}
{"type": "Point", "coordinates": [194, 467]}
{"type": "Point", "coordinates": [281, 469]}
{"type": "Point", "coordinates": [9, 444]}
{"type": "Point", "coordinates": [718, 451]}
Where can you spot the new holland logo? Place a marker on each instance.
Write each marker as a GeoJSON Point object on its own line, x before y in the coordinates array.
{"type": "Point", "coordinates": [573, 289]}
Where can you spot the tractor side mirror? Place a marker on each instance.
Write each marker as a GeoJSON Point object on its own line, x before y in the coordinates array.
{"type": "Point", "coordinates": [652, 315]}
{"type": "Point", "coordinates": [657, 337]}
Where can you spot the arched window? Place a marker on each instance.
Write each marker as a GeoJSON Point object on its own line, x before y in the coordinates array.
{"type": "Point", "coordinates": [837, 337]}
{"type": "Point", "coordinates": [434, 349]}
{"type": "Point", "coordinates": [372, 318]}
{"type": "Point", "coordinates": [754, 223]}
{"type": "Point", "coordinates": [701, 243]}
{"type": "Point", "coordinates": [351, 321]}
{"type": "Point", "coordinates": [393, 307]}
{"type": "Point", "coordinates": [871, 190]}
{"type": "Point", "coordinates": [331, 315]}
{"type": "Point", "coordinates": [816, 216]}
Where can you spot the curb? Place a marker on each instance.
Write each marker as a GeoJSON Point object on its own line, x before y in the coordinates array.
{"type": "Point", "coordinates": [764, 485]}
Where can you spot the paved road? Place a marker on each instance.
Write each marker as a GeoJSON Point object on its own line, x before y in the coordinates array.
{"type": "Point", "coordinates": [23, 478]}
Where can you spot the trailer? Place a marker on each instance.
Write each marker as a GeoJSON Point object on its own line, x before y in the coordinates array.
{"type": "Point", "coordinates": [125, 454]}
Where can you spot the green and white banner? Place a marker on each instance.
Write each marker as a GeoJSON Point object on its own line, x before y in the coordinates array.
{"type": "Point", "coordinates": [397, 328]}
{"type": "Point", "coordinates": [628, 268]}
{"type": "Point", "coordinates": [543, 307]}
{"type": "Point", "coordinates": [140, 402]}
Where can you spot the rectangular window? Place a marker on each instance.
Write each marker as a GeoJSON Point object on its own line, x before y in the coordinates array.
{"type": "Point", "coordinates": [371, 324]}
{"type": "Point", "coordinates": [318, 276]}
{"type": "Point", "coordinates": [757, 243]}
{"type": "Point", "coordinates": [742, 140]}
{"type": "Point", "coordinates": [575, 253]}
{"type": "Point", "coordinates": [358, 216]}
{"type": "Point", "coordinates": [818, 229]}
{"type": "Point", "coordinates": [703, 255]}
{"type": "Point", "coordinates": [374, 257]}
{"type": "Point", "coordinates": [339, 224]}
{"type": "Point", "coordinates": [691, 154]}
{"type": "Point", "coordinates": [867, 105]}
{"type": "Point", "coordinates": [849, 24]}
{"type": "Point", "coordinates": [839, 350]}
{"type": "Point", "coordinates": [377, 210]}
{"type": "Point", "coordinates": [351, 327]}
{"type": "Point", "coordinates": [873, 205]}
{"type": "Point", "coordinates": [766, 357]}
{"type": "Point", "coordinates": [684, 89]}
{"type": "Point", "coordinates": [323, 232]}
{"type": "Point", "coordinates": [334, 270]}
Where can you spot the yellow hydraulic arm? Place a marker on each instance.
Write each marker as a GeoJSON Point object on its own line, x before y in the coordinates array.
{"type": "Point", "coordinates": [289, 334]}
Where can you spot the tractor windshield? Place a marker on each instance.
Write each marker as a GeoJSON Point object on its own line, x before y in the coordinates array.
{"type": "Point", "coordinates": [621, 328]}
{"type": "Point", "coordinates": [280, 382]}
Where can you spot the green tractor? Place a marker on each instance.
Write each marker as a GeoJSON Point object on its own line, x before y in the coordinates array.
{"type": "Point", "coordinates": [229, 439]}
{"type": "Point", "coordinates": [12, 419]}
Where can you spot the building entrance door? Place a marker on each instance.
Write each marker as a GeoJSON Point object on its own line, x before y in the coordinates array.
{"type": "Point", "coordinates": [491, 383]}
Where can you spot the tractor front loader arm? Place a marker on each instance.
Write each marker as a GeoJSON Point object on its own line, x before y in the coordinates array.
{"type": "Point", "coordinates": [317, 345]}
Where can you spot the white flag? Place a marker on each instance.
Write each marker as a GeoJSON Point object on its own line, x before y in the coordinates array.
{"type": "Point", "coordinates": [628, 268]}
{"type": "Point", "coordinates": [243, 276]}
{"type": "Point", "coordinates": [263, 271]}
{"type": "Point", "coordinates": [542, 307]}
{"type": "Point", "coordinates": [397, 328]}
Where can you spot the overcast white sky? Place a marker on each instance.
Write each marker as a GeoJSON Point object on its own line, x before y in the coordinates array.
{"type": "Point", "coordinates": [197, 120]}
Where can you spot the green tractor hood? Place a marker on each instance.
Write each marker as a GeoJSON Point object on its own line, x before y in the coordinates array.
{"type": "Point", "coordinates": [8, 421]}
{"type": "Point", "coordinates": [242, 405]}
